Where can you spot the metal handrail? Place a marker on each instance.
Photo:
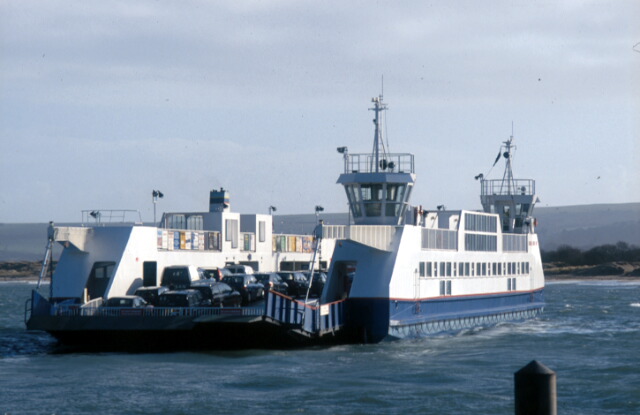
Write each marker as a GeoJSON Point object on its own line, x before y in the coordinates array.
{"type": "Point", "coordinates": [78, 310]}
{"type": "Point", "coordinates": [502, 187]}
{"type": "Point", "coordinates": [389, 163]}
{"type": "Point", "coordinates": [108, 216]}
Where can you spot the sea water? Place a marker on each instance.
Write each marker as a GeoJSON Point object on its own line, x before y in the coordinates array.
{"type": "Point", "coordinates": [589, 334]}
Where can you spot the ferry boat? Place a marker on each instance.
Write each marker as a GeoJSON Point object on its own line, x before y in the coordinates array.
{"type": "Point", "coordinates": [395, 271]}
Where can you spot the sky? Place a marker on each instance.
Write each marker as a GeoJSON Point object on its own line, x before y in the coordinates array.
{"type": "Point", "coordinates": [102, 102]}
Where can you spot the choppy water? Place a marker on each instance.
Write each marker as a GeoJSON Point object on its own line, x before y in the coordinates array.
{"type": "Point", "coordinates": [589, 334]}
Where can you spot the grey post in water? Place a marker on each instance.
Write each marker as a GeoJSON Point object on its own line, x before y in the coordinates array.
{"type": "Point", "coordinates": [535, 390]}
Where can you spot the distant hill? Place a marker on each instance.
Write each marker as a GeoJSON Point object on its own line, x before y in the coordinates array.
{"type": "Point", "coordinates": [583, 226]}
{"type": "Point", "coordinates": [586, 226]}
{"type": "Point", "coordinates": [24, 241]}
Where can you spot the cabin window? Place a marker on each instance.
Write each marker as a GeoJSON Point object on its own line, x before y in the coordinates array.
{"type": "Point", "coordinates": [422, 269]}
{"type": "Point", "coordinates": [443, 288]}
{"type": "Point", "coordinates": [231, 232]}
{"type": "Point", "coordinates": [442, 270]}
{"type": "Point", "coordinates": [176, 222]}
{"type": "Point", "coordinates": [194, 223]}
{"type": "Point", "coordinates": [262, 231]}
{"type": "Point", "coordinates": [480, 223]}
{"type": "Point", "coordinates": [448, 287]}
{"type": "Point", "coordinates": [484, 268]}
{"type": "Point", "coordinates": [448, 269]}
{"type": "Point", "coordinates": [429, 269]}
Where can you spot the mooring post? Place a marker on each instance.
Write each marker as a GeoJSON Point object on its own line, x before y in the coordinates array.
{"type": "Point", "coordinates": [535, 390]}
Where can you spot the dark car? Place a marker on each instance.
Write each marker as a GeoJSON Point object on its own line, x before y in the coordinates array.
{"type": "Point", "coordinates": [317, 285]}
{"type": "Point", "coordinates": [151, 294]}
{"type": "Point", "coordinates": [296, 281]}
{"type": "Point", "coordinates": [247, 286]}
{"type": "Point", "coordinates": [218, 294]}
{"type": "Point", "coordinates": [272, 281]}
{"type": "Point", "coordinates": [128, 301]}
{"type": "Point", "coordinates": [181, 298]}
{"type": "Point", "coordinates": [213, 273]}
{"type": "Point", "coordinates": [179, 277]}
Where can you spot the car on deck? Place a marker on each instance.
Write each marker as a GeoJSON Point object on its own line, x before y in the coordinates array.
{"type": "Point", "coordinates": [317, 284]}
{"type": "Point", "coordinates": [247, 285]}
{"type": "Point", "coordinates": [218, 294]}
{"type": "Point", "coordinates": [297, 282]}
{"type": "Point", "coordinates": [151, 294]}
{"type": "Point", "coordinates": [213, 273]}
{"type": "Point", "coordinates": [127, 301]}
{"type": "Point", "coordinates": [272, 281]}
{"type": "Point", "coordinates": [182, 298]}
{"type": "Point", "coordinates": [180, 277]}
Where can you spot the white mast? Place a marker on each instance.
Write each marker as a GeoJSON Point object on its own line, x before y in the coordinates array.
{"type": "Point", "coordinates": [377, 140]}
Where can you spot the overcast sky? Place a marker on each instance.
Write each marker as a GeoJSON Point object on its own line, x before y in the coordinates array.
{"type": "Point", "coordinates": [103, 101]}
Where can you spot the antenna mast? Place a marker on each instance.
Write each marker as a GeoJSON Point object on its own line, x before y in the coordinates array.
{"type": "Point", "coordinates": [378, 106]}
{"type": "Point", "coordinates": [507, 177]}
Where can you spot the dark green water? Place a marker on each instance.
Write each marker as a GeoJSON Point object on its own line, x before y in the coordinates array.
{"type": "Point", "coordinates": [589, 334]}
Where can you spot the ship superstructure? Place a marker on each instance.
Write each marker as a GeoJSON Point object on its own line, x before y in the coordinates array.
{"type": "Point", "coordinates": [412, 272]}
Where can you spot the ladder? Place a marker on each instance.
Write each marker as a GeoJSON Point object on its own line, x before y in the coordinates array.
{"type": "Point", "coordinates": [48, 255]}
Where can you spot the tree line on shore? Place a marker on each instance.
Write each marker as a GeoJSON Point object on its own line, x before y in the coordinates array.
{"type": "Point", "coordinates": [602, 254]}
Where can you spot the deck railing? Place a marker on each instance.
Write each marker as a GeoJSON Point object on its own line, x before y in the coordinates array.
{"type": "Point", "coordinates": [74, 310]}
{"type": "Point", "coordinates": [387, 163]}
{"type": "Point", "coordinates": [506, 187]}
{"type": "Point", "coordinates": [310, 317]}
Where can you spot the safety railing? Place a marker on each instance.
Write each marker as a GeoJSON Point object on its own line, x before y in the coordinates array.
{"type": "Point", "coordinates": [508, 187]}
{"type": "Point", "coordinates": [74, 310]}
{"type": "Point", "coordinates": [110, 216]}
{"type": "Point", "coordinates": [387, 163]}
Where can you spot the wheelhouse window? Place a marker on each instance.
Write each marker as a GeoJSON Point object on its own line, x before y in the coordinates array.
{"type": "Point", "coordinates": [372, 198]}
{"type": "Point", "coordinates": [395, 199]}
{"type": "Point", "coordinates": [353, 195]}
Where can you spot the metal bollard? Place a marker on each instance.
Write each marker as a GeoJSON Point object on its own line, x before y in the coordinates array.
{"type": "Point", "coordinates": [535, 390]}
